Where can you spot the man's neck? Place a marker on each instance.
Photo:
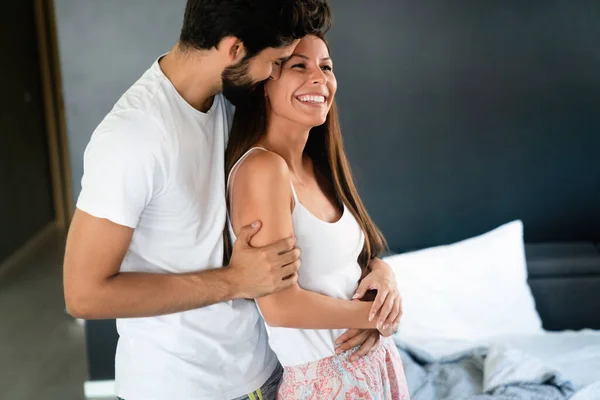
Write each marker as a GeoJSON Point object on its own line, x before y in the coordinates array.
{"type": "Point", "coordinates": [195, 74]}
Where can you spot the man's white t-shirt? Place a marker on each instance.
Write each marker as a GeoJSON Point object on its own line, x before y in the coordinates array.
{"type": "Point", "coordinates": [156, 164]}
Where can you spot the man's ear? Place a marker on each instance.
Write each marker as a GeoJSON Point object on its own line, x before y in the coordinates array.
{"type": "Point", "coordinates": [233, 48]}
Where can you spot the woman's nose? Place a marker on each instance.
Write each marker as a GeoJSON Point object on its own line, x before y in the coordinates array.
{"type": "Point", "coordinates": [319, 77]}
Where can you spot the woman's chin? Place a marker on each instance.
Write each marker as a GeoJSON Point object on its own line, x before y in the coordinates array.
{"type": "Point", "coordinates": [317, 121]}
{"type": "Point", "coordinates": [310, 122]}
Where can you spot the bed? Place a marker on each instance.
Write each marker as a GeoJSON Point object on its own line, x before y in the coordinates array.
{"type": "Point", "coordinates": [546, 366]}
{"type": "Point", "coordinates": [489, 318]}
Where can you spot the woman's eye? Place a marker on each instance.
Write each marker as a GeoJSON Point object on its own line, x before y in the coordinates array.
{"type": "Point", "coordinates": [300, 65]}
{"type": "Point", "coordinates": [327, 68]}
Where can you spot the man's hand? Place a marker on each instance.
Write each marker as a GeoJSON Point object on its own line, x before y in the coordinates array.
{"type": "Point", "coordinates": [388, 302]}
{"type": "Point", "coordinates": [256, 272]}
{"type": "Point", "coordinates": [367, 339]}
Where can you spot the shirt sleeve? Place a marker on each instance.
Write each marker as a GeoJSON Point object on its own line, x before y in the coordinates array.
{"type": "Point", "coordinates": [123, 168]}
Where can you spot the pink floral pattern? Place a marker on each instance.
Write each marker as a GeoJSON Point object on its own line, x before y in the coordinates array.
{"type": "Point", "coordinates": [376, 376]}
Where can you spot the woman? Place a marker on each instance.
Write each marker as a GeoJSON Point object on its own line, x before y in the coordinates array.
{"type": "Point", "coordinates": [287, 168]}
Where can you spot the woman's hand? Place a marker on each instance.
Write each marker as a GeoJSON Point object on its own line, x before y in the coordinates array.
{"type": "Point", "coordinates": [389, 331]}
{"type": "Point", "coordinates": [388, 302]}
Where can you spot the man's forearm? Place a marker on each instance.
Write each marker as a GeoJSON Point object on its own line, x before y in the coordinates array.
{"type": "Point", "coordinates": [136, 294]}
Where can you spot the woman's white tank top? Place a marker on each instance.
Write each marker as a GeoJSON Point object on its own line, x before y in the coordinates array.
{"type": "Point", "coordinates": [329, 266]}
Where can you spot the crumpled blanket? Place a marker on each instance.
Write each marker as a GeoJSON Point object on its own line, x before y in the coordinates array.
{"type": "Point", "coordinates": [482, 373]}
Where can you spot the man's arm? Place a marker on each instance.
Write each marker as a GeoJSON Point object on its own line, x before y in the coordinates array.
{"type": "Point", "coordinates": [95, 289]}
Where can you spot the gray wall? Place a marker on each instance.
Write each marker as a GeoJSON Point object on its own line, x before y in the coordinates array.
{"type": "Point", "coordinates": [104, 47]}
{"type": "Point", "coordinates": [458, 118]}
{"type": "Point", "coordinates": [25, 191]}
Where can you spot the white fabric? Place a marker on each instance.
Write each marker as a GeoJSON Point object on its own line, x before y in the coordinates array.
{"type": "Point", "coordinates": [156, 164]}
{"type": "Point", "coordinates": [472, 289]}
{"type": "Point", "coordinates": [329, 266]}
{"type": "Point", "coordinates": [576, 354]}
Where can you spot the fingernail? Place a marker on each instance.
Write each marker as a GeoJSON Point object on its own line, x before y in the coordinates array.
{"type": "Point", "coordinates": [356, 296]}
{"type": "Point", "coordinates": [371, 316]}
{"type": "Point", "coordinates": [255, 224]}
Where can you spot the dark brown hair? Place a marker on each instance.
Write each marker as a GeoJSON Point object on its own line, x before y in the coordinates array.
{"type": "Point", "coordinates": [324, 147]}
{"type": "Point", "coordinates": [259, 24]}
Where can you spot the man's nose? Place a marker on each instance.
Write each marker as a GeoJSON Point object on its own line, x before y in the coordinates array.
{"type": "Point", "coordinates": [275, 72]}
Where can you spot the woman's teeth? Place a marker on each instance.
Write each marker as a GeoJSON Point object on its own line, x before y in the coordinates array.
{"type": "Point", "coordinates": [312, 99]}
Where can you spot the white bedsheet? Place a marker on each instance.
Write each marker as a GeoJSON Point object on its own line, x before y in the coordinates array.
{"type": "Point", "coordinates": [576, 354]}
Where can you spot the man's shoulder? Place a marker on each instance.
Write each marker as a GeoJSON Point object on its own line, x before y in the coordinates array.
{"type": "Point", "coordinates": [130, 125]}
{"type": "Point", "coordinates": [131, 134]}
{"type": "Point", "coordinates": [144, 96]}
{"type": "Point", "coordinates": [136, 114]}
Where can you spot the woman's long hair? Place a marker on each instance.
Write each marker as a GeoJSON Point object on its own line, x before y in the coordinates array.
{"type": "Point", "coordinates": [324, 147]}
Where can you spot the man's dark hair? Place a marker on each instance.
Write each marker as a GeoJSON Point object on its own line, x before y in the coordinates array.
{"type": "Point", "coordinates": [257, 23]}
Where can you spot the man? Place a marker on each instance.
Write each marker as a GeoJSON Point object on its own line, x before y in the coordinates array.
{"type": "Point", "coordinates": [145, 245]}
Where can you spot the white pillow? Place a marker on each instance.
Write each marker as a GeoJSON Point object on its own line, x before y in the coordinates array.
{"type": "Point", "coordinates": [474, 289]}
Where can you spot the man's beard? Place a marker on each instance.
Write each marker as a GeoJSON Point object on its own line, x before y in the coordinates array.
{"type": "Point", "coordinates": [237, 84]}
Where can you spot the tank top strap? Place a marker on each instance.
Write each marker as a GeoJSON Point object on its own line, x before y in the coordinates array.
{"type": "Point", "coordinates": [294, 194]}
{"type": "Point", "coordinates": [236, 166]}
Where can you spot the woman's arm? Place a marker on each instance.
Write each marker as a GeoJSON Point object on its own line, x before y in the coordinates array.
{"type": "Point", "coordinates": [299, 308]}
{"type": "Point", "coordinates": [262, 191]}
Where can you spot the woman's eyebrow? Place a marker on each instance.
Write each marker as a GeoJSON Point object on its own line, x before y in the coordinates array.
{"type": "Point", "coordinates": [307, 58]}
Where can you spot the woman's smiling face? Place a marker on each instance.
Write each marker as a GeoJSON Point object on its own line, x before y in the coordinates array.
{"type": "Point", "coordinates": [306, 87]}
